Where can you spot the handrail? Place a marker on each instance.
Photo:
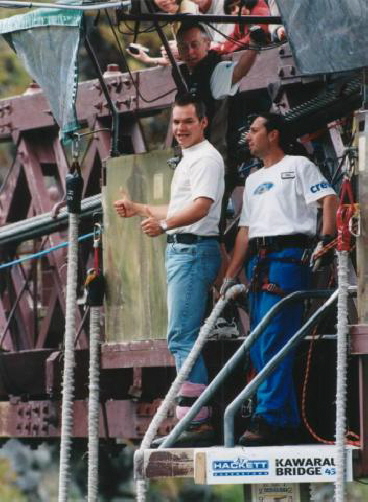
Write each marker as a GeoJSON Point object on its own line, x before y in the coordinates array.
{"type": "Point", "coordinates": [237, 358]}
{"type": "Point", "coordinates": [252, 386]}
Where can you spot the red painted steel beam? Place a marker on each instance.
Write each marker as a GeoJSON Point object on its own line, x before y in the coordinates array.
{"type": "Point", "coordinates": [42, 419]}
{"type": "Point", "coordinates": [145, 354]}
{"type": "Point", "coordinates": [30, 112]}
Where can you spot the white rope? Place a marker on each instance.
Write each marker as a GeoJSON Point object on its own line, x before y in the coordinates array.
{"type": "Point", "coordinates": [180, 378]}
{"type": "Point", "coordinates": [68, 375]}
{"type": "Point", "coordinates": [93, 403]}
{"type": "Point", "coordinates": [342, 330]}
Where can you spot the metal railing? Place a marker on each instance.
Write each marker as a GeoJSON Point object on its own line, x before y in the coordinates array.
{"type": "Point", "coordinates": [238, 357]}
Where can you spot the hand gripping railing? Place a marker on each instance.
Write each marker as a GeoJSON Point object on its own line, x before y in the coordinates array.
{"type": "Point", "coordinates": [251, 388]}
{"type": "Point", "coordinates": [238, 357]}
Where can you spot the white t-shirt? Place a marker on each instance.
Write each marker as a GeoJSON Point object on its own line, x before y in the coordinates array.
{"type": "Point", "coordinates": [200, 173]}
{"type": "Point", "coordinates": [221, 80]}
{"type": "Point", "coordinates": [274, 10]}
{"type": "Point", "coordinates": [282, 199]}
{"type": "Point", "coordinates": [217, 9]}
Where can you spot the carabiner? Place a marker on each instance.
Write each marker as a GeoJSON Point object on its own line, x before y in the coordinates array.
{"type": "Point", "coordinates": [75, 147]}
{"type": "Point", "coordinates": [97, 232]}
{"type": "Point", "coordinates": [344, 215]}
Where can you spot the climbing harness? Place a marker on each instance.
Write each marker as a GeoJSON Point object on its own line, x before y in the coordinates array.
{"type": "Point", "coordinates": [95, 282]}
{"type": "Point", "coordinates": [260, 281]}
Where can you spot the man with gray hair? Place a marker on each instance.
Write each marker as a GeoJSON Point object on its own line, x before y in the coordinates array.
{"type": "Point", "coordinates": [210, 79]}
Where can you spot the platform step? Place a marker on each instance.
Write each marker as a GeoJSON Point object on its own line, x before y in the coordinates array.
{"type": "Point", "coordinates": [241, 465]}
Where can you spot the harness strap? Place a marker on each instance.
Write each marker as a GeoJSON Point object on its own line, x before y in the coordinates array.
{"type": "Point", "coordinates": [271, 287]}
{"type": "Point", "coordinates": [260, 281]}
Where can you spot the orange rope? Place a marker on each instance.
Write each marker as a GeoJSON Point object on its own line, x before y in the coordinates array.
{"type": "Point", "coordinates": [304, 394]}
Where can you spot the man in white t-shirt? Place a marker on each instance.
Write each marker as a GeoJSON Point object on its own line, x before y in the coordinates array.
{"type": "Point", "coordinates": [277, 225]}
{"type": "Point", "coordinates": [191, 223]}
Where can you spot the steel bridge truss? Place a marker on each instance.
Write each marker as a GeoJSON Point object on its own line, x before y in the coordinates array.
{"type": "Point", "coordinates": [32, 293]}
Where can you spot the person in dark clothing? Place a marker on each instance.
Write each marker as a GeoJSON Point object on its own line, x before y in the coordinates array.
{"type": "Point", "coordinates": [209, 78]}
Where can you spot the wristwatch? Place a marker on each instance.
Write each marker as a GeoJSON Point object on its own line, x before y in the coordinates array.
{"type": "Point", "coordinates": [163, 224]}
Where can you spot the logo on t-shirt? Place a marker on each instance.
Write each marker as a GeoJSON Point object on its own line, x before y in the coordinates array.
{"type": "Point", "coordinates": [263, 188]}
{"type": "Point", "coordinates": [319, 186]}
{"type": "Point", "coordinates": [287, 175]}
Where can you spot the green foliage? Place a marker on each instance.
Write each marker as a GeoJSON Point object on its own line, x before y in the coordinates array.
{"type": "Point", "coordinates": [109, 48]}
{"type": "Point", "coordinates": [13, 77]}
{"type": "Point", "coordinates": [8, 491]}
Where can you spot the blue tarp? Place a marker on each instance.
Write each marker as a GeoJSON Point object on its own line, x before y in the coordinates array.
{"type": "Point", "coordinates": [47, 42]}
{"type": "Point", "coordinates": [327, 35]}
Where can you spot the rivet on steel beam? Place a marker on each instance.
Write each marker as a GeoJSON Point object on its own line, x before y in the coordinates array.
{"type": "Point", "coordinates": [117, 83]}
{"type": "Point", "coordinates": [97, 86]}
{"type": "Point", "coordinates": [99, 106]}
{"type": "Point", "coordinates": [128, 83]}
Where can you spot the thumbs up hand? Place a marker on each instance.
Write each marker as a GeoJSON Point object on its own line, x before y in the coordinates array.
{"type": "Point", "coordinates": [151, 226]}
{"type": "Point", "coordinates": [124, 206]}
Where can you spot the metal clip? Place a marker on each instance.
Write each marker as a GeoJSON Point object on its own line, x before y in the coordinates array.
{"type": "Point", "coordinates": [354, 222]}
{"type": "Point", "coordinates": [97, 232]}
{"type": "Point", "coordinates": [76, 147]}
{"type": "Point", "coordinates": [344, 215]}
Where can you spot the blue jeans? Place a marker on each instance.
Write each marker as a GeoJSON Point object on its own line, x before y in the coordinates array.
{"type": "Point", "coordinates": [191, 271]}
{"type": "Point", "coordinates": [276, 399]}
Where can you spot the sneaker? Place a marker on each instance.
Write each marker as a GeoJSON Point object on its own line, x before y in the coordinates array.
{"type": "Point", "coordinates": [261, 433]}
{"type": "Point", "coordinates": [225, 329]}
{"type": "Point", "coordinates": [197, 435]}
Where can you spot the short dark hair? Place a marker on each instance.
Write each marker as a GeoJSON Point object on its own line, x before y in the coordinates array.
{"type": "Point", "coordinates": [189, 99]}
{"type": "Point", "coordinates": [189, 25]}
{"type": "Point", "coordinates": [275, 121]}
{"type": "Point", "coordinates": [230, 4]}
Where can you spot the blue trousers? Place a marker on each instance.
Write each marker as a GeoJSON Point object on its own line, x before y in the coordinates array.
{"type": "Point", "coordinates": [276, 399]}
{"type": "Point", "coordinates": [191, 271]}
